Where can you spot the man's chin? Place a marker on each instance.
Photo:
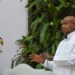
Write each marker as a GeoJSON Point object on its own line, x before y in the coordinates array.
{"type": "Point", "coordinates": [65, 33]}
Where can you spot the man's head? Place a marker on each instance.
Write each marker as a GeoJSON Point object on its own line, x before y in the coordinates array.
{"type": "Point", "coordinates": [68, 24]}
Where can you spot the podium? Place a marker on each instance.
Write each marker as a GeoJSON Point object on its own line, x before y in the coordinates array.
{"type": "Point", "coordinates": [24, 69]}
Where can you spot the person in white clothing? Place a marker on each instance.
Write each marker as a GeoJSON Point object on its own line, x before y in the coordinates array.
{"type": "Point", "coordinates": [64, 59]}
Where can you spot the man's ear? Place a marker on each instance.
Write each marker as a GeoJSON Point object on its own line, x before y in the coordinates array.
{"type": "Point", "coordinates": [74, 26]}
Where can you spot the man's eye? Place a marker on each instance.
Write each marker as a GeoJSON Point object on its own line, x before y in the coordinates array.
{"type": "Point", "coordinates": [65, 23]}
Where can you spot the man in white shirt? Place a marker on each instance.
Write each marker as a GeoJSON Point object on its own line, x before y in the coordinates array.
{"type": "Point", "coordinates": [64, 59]}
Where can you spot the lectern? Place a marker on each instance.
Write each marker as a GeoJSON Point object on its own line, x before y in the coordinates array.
{"type": "Point", "coordinates": [24, 69]}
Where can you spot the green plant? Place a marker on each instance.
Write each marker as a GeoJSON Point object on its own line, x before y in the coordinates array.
{"type": "Point", "coordinates": [44, 28]}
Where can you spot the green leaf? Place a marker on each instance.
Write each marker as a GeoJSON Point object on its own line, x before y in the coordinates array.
{"type": "Point", "coordinates": [53, 49]}
{"type": "Point", "coordinates": [45, 0]}
{"type": "Point", "coordinates": [31, 5]}
{"type": "Point", "coordinates": [43, 32]}
{"type": "Point", "coordinates": [35, 23]}
{"type": "Point", "coordinates": [63, 2]}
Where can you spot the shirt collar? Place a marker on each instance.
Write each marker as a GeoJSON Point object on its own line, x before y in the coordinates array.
{"type": "Point", "coordinates": [71, 34]}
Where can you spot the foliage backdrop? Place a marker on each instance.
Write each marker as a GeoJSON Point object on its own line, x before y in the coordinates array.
{"type": "Point", "coordinates": [44, 28]}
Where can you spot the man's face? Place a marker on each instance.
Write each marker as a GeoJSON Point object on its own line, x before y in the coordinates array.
{"type": "Point", "coordinates": [67, 27]}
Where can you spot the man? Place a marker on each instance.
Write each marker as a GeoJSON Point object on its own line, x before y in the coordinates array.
{"type": "Point", "coordinates": [64, 60]}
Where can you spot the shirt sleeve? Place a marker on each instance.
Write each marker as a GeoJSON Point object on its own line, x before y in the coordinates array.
{"type": "Point", "coordinates": [48, 64]}
{"type": "Point", "coordinates": [69, 59]}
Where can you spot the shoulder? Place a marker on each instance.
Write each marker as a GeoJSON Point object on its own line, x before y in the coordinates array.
{"type": "Point", "coordinates": [72, 39]}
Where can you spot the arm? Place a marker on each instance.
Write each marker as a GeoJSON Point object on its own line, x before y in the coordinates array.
{"type": "Point", "coordinates": [67, 59]}
{"type": "Point", "coordinates": [42, 59]}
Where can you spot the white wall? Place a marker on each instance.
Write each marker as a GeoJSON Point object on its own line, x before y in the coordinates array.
{"type": "Point", "coordinates": [13, 24]}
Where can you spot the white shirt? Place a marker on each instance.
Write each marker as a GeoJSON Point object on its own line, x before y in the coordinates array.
{"type": "Point", "coordinates": [64, 59]}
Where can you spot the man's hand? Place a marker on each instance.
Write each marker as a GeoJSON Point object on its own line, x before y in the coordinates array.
{"type": "Point", "coordinates": [41, 57]}
{"type": "Point", "coordinates": [47, 56]}
{"type": "Point", "coordinates": [37, 58]}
